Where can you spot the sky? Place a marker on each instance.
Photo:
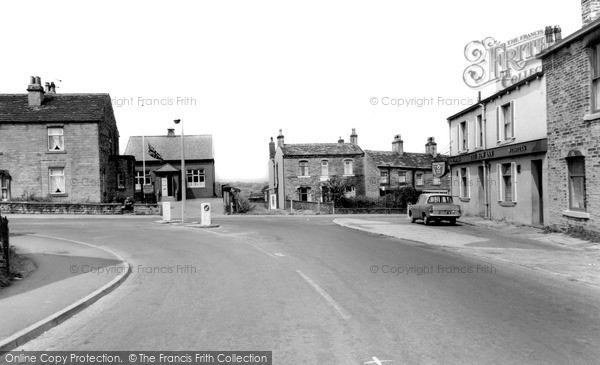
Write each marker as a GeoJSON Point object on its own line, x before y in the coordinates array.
{"type": "Point", "coordinates": [242, 70]}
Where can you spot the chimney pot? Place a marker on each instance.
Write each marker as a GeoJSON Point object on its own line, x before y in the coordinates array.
{"type": "Point", "coordinates": [340, 140]}
{"type": "Point", "coordinates": [171, 132]}
{"type": "Point", "coordinates": [354, 137]}
{"type": "Point", "coordinates": [398, 144]}
{"type": "Point", "coordinates": [280, 139]}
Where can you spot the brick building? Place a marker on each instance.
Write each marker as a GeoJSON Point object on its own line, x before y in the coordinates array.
{"type": "Point", "coordinates": [498, 154]}
{"type": "Point", "coordinates": [572, 69]}
{"type": "Point", "coordinates": [61, 146]}
{"type": "Point", "coordinates": [387, 171]}
{"type": "Point", "coordinates": [163, 174]}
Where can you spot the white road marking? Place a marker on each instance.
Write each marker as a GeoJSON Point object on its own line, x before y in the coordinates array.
{"type": "Point", "coordinates": [279, 254]}
{"type": "Point", "coordinates": [341, 311]}
{"type": "Point", "coordinates": [376, 361]}
{"type": "Point", "coordinates": [262, 250]}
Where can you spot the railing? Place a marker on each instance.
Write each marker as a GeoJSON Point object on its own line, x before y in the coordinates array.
{"type": "Point", "coordinates": [370, 210]}
{"type": "Point", "coordinates": [4, 245]}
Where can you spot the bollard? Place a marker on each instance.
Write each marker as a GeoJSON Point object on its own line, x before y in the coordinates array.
{"type": "Point", "coordinates": [166, 211]}
{"type": "Point", "coordinates": [205, 218]}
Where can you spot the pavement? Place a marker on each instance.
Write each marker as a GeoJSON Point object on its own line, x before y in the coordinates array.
{"type": "Point", "coordinates": [69, 276]}
{"type": "Point", "coordinates": [525, 246]}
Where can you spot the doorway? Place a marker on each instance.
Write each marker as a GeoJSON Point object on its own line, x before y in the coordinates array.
{"type": "Point", "coordinates": [537, 194]}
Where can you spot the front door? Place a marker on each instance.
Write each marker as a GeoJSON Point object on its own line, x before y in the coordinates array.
{"type": "Point", "coordinates": [537, 200]}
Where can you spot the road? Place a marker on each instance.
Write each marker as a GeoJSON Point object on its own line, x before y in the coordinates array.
{"type": "Point", "coordinates": [317, 293]}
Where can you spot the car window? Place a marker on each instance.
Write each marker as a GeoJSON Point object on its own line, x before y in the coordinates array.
{"type": "Point", "coordinates": [440, 199]}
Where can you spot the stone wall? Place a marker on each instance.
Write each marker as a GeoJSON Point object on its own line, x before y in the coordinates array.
{"type": "Point", "coordinates": [73, 208]}
{"type": "Point", "coordinates": [571, 127]}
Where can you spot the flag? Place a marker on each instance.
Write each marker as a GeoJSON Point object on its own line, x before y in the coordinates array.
{"type": "Point", "coordinates": [152, 152]}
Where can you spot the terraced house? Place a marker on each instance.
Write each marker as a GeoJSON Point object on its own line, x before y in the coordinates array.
{"type": "Point", "coordinates": [61, 147]}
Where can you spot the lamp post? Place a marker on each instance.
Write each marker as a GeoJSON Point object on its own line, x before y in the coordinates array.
{"type": "Point", "coordinates": [183, 172]}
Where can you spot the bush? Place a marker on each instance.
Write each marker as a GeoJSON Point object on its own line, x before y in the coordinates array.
{"type": "Point", "coordinates": [244, 205]}
{"type": "Point", "coordinates": [28, 196]}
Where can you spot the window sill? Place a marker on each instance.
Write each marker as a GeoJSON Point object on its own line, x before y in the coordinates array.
{"type": "Point", "coordinates": [464, 200]}
{"type": "Point", "coordinates": [508, 204]}
{"type": "Point", "coordinates": [506, 141]}
{"type": "Point", "coordinates": [324, 178]}
{"type": "Point", "coordinates": [591, 117]}
{"type": "Point", "coordinates": [59, 195]}
{"type": "Point", "coordinates": [55, 152]}
{"type": "Point", "coordinates": [576, 214]}
{"type": "Point", "coordinates": [348, 175]}
{"type": "Point", "coordinates": [303, 176]}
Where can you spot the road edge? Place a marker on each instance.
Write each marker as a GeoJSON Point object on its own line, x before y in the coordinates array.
{"type": "Point", "coordinates": [29, 333]}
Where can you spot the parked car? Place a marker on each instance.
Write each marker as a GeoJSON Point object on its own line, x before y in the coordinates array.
{"type": "Point", "coordinates": [434, 208]}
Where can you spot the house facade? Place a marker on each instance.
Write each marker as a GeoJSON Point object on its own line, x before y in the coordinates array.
{"type": "Point", "coordinates": [388, 171]}
{"type": "Point", "coordinates": [61, 147]}
{"type": "Point", "coordinates": [572, 69]}
{"type": "Point", "coordinates": [161, 158]}
{"type": "Point", "coordinates": [301, 171]}
{"type": "Point", "coordinates": [498, 154]}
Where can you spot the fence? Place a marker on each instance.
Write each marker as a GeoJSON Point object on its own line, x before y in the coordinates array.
{"type": "Point", "coordinates": [370, 210]}
{"type": "Point", "coordinates": [4, 245]}
{"type": "Point", "coordinates": [326, 208]}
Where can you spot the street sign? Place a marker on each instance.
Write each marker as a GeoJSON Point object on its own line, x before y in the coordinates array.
{"type": "Point", "coordinates": [148, 189]}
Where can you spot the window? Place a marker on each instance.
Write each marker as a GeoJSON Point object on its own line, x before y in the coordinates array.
{"type": "Point", "coordinates": [596, 77]}
{"type": "Point", "coordinates": [120, 181]}
{"type": "Point", "coordinates": [440, 199]}
{"type": "Point", "coordinates": [303, 168]}
{"type": "Point", "coordinates": [304, 194]}
{"type": "Point", "coordinates": [384, 177]}
{"type": "Point", "coordinates": [139, 180]}
{"type": "Point", "coordinates": [402, 177]}
{"type": "Point", "coordinates": [4, 186]}
{"type": "Point", "coordinates": [576, 183]}
{"type": "Point", "coordinates": [324, 168]}
{"type": "Point", "coordinates": [419, 178]}
{"type": "Point", "coordinates": [195, 178]}
{"type": "Point", "coordinates": [505, 116]}
{"type": "Point", "coordinates": [57, 180]}
{"type": "Point", "coordinates": [464, 136]}
{"type": "Point", "coordinates": [479, 132]}
{"type": "Point", "coordinates": [348, 167]}
{"type": "Point", "coordinates": [465, 184]}
{"type": "Point", "coordinates": [507, 182]}
{"type": "Point", "coordinates": [56, 139]}
{"type": "Point", "coordinates": [350, 191]}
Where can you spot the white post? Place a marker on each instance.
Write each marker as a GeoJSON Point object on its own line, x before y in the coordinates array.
{"type": "Point", "coordinates": [183, 172]}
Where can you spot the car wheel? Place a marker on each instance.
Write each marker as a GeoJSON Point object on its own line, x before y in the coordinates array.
{"type": "Point", "coordinates": [453, 221]}
{"type": "Point", "coordinates": [426, 220]}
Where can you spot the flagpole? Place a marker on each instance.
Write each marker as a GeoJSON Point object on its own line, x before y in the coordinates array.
{"type": "Point", "coordinates": [143, 167]}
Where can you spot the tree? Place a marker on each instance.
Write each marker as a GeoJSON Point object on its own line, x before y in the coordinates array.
{"type": "Point", "coordinates": [336, 188]}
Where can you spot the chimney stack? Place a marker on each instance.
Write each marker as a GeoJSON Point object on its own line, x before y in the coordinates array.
{"type": "Point", "coordinates": [340, 140]}
{"type": "Point", "coordinates": [280, 140]}
{"type": "Point", "coordinates": [398, 144]}
{"type": "Point", "coordinates": [35, 91]}
{"type": "Point", "coordinates": [354, 137]}
{"type": "Point", "coordinates": [549, 33]}
{"type": "Point", "coordinates": [590, 10]}
{"type": "Point", "coordinates": [171, 132]}
{"type": "Point", "coordinates": [557, 34]}
{"type": "Point", "coordinates": [52, 88]}
{"type": "Point", "coordinates": [431, 147]}
{"type": "Point", "coordinates": [271, 149]}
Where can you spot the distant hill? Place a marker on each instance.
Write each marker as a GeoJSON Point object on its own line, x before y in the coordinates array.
{"type": "Point", "coordinates": [246, 187]}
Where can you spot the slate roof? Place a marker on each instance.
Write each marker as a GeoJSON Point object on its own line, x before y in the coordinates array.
{"type": "Point", "coordinates": [197, 147]}
{"type": "Point", "coordinates": [15, 108]}
{"type": "Point", "coordinates": [406, 159]}
{"type": "Point", "coordinates": [321, 149]}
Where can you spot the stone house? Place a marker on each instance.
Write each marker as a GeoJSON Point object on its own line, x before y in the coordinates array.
{"type": "Point", "coordinates": [388, 171]}
{"type": "Point", "coordinates": [161, 156]}
{"type": "Point", "coordinates": [63, 147]}
{"type": "Point", "coordinates": [301, 171]}
{"type": "Point", "coordinates": [572, 70]}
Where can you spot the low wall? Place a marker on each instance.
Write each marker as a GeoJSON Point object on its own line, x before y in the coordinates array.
{"type": "Point", "coordinates": [326, 208]}
{"type": "Point", "coordinates": [74, 208]}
